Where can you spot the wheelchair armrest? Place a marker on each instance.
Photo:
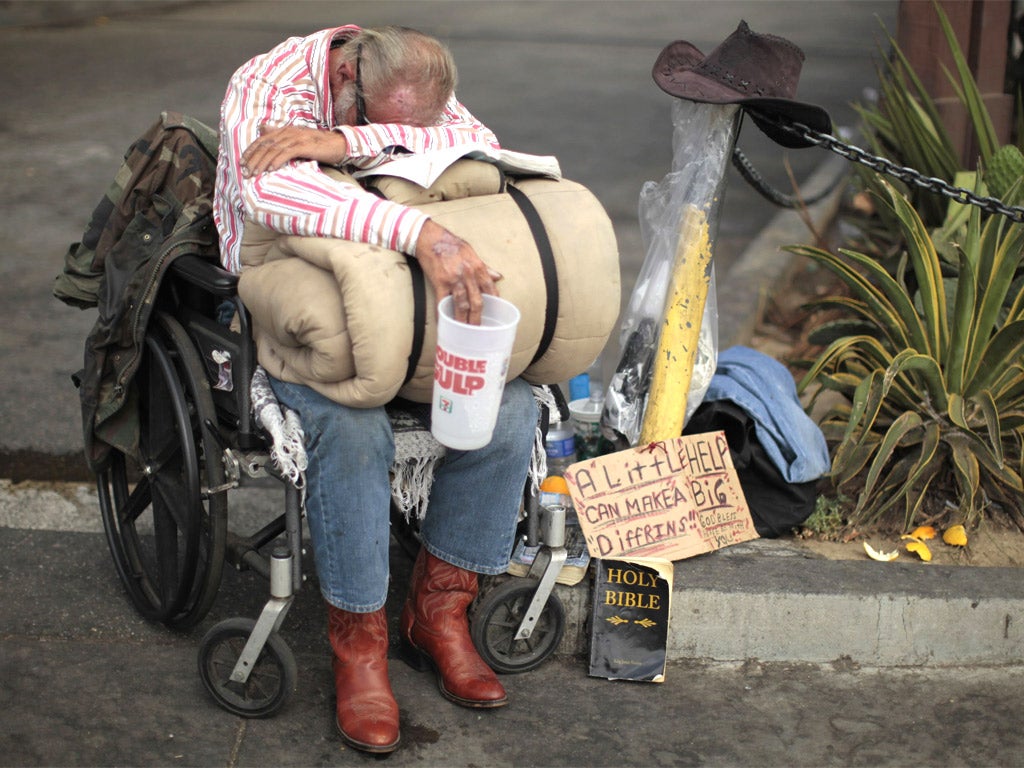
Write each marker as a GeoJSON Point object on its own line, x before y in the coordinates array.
{"type": "Point", "coordinates": [206, 275]}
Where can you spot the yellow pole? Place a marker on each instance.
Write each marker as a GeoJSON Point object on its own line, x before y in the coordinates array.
{"type": "Point", "coordinates": [672, 368]}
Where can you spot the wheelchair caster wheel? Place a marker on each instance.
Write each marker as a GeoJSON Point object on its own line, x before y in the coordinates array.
{"type": "Point", "coordinates": [271, 680]}
{"type": "Point", "coordinates": [499, 614]}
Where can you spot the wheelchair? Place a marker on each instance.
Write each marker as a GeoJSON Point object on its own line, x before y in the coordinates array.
{"type": "Point", "coordinates": [166, 516]}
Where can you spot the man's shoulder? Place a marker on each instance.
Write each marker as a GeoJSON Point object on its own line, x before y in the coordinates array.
{"type": "Point", "coordinates": [279, 63]}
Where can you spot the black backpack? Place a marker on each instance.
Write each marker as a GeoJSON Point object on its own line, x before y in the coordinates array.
{"type": "Point", "coordinates": [776, 505]}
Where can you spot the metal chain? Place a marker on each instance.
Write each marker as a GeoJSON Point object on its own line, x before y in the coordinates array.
{"type": "Point", "coordinates": [901, 172]}
{"type": "Point", "coordinates": [747, 170]}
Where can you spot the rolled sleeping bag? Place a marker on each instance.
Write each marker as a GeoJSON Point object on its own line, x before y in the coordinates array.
{"type": "Point", "coordinates": [343, 317]}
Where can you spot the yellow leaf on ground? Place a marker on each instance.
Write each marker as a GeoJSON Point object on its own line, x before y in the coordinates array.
{"type": "Point", "coordinates": [923, 532]}
{"type": "Point", "coordinates": [883, 557]}
{"type": "Point", "coordinates": [919, 548]}
{"type": "Point", "coordinates": [955, 536]}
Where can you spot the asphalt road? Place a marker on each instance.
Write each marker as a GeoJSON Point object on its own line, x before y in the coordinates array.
{"type": "Point", "coordinates": [565, 78]}
{"type": "Point", "coordinates": [86, 682]}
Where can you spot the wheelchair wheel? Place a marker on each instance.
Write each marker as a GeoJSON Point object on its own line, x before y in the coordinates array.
{"type": "Point", "coordinates": [271, 680]}
{"type": "Point", "coordinates": [165, 530]}
{"type": "Point", "coordinates": [497, 617]}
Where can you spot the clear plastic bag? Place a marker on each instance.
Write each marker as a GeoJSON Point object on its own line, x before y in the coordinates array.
{"type": "Point", "coordinates": [702, 141]}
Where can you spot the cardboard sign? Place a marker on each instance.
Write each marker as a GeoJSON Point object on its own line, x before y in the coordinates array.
{"type": "Point", "coordinates": [670, 500]}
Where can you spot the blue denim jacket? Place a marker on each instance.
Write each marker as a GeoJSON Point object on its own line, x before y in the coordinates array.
{"type": "Point", "coordinates": [765, 389]}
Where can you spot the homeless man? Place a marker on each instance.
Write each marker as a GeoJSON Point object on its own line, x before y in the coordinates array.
{"type": "Point", "coordinates": [348, 97]}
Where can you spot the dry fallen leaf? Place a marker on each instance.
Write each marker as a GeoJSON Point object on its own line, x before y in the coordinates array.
{"type": "Point", "coordinates": [863, 204]}
{"type": "Point", "coordinates": [883, 557]}
{"type": "Point", "coordinates": [919, 548]}
{"type": "Point", "coordinates": [923, 532]}
{"type": "Point", "coordinates": [955, 536]}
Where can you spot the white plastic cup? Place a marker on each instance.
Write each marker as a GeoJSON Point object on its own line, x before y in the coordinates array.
{"type": "Point", "coordinates": [586, 422]}
{"type": "Point", "coordinates": [470, 366]}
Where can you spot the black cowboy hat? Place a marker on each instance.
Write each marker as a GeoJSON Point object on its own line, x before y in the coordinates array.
{"type": "Point", "coordinates": [758, 72]}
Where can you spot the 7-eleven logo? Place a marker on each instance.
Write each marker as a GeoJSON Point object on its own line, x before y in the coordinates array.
{"type": "Point", "coordinates": [445, 405]}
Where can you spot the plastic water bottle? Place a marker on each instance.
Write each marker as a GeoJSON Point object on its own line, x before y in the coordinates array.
{"type": "Point", "coordinates": [585, 407]}
{"type": "Point", "coordinates": [589, 384]}
{"type": "Point", "coordinates": [560, 446]}
{"type": "Point", "coordinates": [579, 386]}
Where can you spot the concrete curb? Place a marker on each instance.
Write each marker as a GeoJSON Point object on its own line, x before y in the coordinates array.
{"type": "Point", "coordinates": [768, 602]}
{"type": "Point", "coordinates": [771, 604]}
{"type": "Point", "coordinates": [765, 600]}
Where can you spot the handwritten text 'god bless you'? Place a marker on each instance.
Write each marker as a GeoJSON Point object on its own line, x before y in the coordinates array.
{"type": "Point", "coordinates": [660, 494]}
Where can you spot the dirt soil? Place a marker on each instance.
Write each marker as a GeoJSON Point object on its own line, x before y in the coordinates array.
{"type": "Point", "coordinates": [781, 333]}
{"type": "Point", "coordinates": [989, 546]}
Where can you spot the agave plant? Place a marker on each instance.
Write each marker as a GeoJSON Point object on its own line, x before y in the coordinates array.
{"type": "Point", "coordinates": [906, 126]}
{"type": "Point", "coordinates": [932, 372]}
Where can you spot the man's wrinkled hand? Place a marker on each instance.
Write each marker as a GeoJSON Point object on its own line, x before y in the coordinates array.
{"type": "Point", "coordinates": [278, 146]}
{"type": "Point", "coordinates": [454, 269]}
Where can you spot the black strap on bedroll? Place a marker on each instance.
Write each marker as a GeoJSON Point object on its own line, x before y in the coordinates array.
{"type": "Point", "coordinates": [547, 264]}
{"type": "Point", "coordinates": [419, 316]}
{"type": "Point", "coordinates": [548, 268]}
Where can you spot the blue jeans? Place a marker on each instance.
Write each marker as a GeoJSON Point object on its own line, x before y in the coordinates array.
{"type": "Point", "coordinates": [474, 503]}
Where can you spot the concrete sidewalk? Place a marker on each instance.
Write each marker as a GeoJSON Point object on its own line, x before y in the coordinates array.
{"type": "Point", "coordinates": [89, 683]}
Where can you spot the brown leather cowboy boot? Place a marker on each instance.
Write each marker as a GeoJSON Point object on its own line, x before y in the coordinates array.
{"type": "Point", "coordinates": [435, 632]}
{"type": "Point", "coordinates": [367, 714]}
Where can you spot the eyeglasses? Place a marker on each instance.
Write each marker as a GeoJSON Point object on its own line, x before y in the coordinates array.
{"type": "Point", "coordinates": [361, 118]}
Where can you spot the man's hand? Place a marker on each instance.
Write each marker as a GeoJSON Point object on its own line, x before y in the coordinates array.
{"type": "Point", "coordinates": [453, 267]}
{"type": "Point", "coordinates": [277, 146]}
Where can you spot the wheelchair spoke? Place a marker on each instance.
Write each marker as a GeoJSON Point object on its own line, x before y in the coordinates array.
{"type": "Point", "coordinates": [172, 499]}
{"type": "Point", "coordinates": [138, 501]}
{"type": "Point", "coordinates": [160, 462]}
{"type": "Point", "coordinates": [176, 540]}
{"type": "Point", "coordinates": [166, 529]}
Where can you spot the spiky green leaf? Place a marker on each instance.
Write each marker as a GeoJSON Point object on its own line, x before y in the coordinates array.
{"type": "Point", "coordinates": [969, 93]}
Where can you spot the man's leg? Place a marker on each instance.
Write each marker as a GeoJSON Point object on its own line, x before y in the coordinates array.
{"type": "Point", "coordinates": [469, 529]}
{"type": "Point", "coordinates": [475, 499]}
{"type": "Point", "coordinates": [348, 495]}
{"type": "Point", "coordinates": [348, 492]}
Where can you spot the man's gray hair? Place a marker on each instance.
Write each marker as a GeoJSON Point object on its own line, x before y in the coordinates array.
{"type": "Point", "coordinates": [393, 56]}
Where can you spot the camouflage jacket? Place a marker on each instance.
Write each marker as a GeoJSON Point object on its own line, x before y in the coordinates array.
{"type": "Point", "coordinates": [158, 207]}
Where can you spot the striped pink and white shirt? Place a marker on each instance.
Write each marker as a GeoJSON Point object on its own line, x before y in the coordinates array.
{"type": "Point", "coordinates": [289, 85]}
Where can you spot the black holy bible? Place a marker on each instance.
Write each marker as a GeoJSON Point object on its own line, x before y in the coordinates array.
{"type": "Point", "coordinates": [630, 619]}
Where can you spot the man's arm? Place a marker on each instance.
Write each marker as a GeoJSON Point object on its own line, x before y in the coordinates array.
{"type": "Point", "coordinates": [276, 147]}
{"type": "Point", "coordinates": [301, 200]}
{"type": "Point", "coordinates": [456, 126]}
{"type": "Point", "coordinates": [363, 146]}
{"type": "Point", "coordinates": [290, 201]}
{"type": "Point", "coordinates": [297, 198]}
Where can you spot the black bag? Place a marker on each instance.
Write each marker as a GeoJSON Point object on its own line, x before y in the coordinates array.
{"type": "Point", "coordinates": [776, 505]}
